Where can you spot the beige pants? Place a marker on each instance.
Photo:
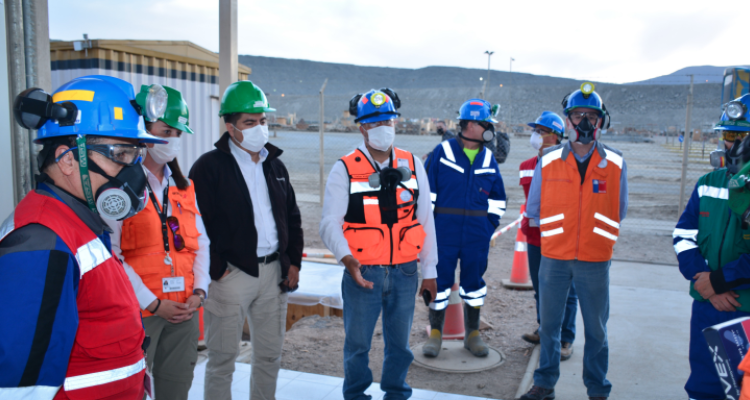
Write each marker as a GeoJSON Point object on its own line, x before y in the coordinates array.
{"type": "Point", "coordinates": [172, 355]}
{"type": "Point", "coordinates": [232, 299]}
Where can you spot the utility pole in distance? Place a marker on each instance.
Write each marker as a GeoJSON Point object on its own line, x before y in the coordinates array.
{"type": "Point", "coordinates": [510, 96]}
{"type": "Point", "coordinates": [685, 147]}
{"type": "Point", "coordinates": [487, 82]}
{"type": "Point", "coordinates": [322, 125]}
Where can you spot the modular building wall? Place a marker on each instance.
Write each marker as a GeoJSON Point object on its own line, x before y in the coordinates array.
{"type": "Point", "coordinates": [195, 75]}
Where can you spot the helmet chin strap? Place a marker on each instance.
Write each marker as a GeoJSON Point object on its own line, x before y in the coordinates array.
{"type": "Point", "coordinates": [461, 134]}
{"type": "Point", "coordinates": [83, 168]}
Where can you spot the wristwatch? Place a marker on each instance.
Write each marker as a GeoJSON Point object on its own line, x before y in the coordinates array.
{"type": "Point", "coordinates": [199, 293]}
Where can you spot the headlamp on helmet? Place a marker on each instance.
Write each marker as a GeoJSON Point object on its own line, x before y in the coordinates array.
{"type": "Point", "coordinates": [586, 89]}
{"type": "Point", "coordinates": [735, 110]}
{"type": "Point", "coordinates": [154, 101]}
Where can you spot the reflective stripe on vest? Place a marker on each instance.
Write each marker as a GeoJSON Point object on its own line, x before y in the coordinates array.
{"type": "Point", "coordinates": [91, 255]}
{"type": "Point", "coordinates": [103, 377]}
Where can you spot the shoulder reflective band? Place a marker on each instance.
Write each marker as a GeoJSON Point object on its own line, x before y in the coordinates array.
{"type": "Point", "coordinates": [83, 168]}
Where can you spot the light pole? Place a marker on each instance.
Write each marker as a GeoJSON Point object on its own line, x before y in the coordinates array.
{"type": "Point", "coordinates": [487, 82]}
{"type": "Point", "coordinates": [510, 95]}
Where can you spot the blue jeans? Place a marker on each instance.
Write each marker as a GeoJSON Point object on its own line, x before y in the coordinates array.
{"type": "Point", "coordinates": [394, 289]}
{"type": "Point", "coordinates": [571, 304]}
{"type": "Point", "coordinates": [591, 280]}
{"type": "Point", "coordinates": [704, 382]}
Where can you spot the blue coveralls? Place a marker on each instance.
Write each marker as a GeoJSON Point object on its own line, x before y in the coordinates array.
{"type": "Point", "coordinates": [468, 201]}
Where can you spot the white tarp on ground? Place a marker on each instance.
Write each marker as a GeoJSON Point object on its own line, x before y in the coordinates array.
{"type": "Point", "coordinates": [319, 284]}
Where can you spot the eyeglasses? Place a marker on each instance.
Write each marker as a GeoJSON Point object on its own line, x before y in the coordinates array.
{"type": "Point", "coordinates": [577, 116]}
{"type": "Point", "coordinates": [542, 132]}
{"type": "Point", "coordinates": [174, 226]}
{"type": "Point", "coordinates": [731, 136]}
{"type": "Point", "coordinates": [125, 154]}
{"type": "Point", "coordinates": [388, 122]}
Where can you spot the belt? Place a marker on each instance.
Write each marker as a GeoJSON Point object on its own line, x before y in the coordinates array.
{"type": "Point", "coordinates": [268, 258]}
{"type": "Point", "coordinates": [460, 211]}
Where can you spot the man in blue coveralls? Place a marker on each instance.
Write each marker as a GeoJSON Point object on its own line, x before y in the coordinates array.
{"type": "Point", "coordinates": [468, 199]}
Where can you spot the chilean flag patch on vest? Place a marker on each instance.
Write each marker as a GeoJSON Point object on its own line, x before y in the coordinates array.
{"type": "Point", "coordinates": [600, 186]}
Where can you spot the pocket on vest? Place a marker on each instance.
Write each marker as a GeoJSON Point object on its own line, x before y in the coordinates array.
{"type": "Point", "coordinates": [365, 243]}
{"type": "Point", "coordinates": [411, 240]}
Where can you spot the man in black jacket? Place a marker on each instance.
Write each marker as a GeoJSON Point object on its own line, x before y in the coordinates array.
{"type": "Point", "coordinates": [251, 216]}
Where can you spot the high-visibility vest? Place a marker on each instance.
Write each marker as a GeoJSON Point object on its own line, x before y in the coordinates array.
{"type": "Point", "coordinates": [106, 358]}
{"type": "Point", "coordinates": [373, 236]}
{"type": "Point", "coordinates": [142, 244]}
{"type": "Point", "coordinates": [580, 221]}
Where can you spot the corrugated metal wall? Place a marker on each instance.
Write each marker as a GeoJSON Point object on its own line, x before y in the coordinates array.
{"type": "Point", "coordinates": [198, 83]}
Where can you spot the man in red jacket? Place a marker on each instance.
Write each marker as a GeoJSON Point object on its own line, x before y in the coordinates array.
{"type": "Point", "coordinates": [548, 131]}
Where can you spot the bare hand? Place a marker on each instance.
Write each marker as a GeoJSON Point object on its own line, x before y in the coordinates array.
{"type": "Point", "coordinates": [352, 265]}
{"type": "Point", "coordinates": [725, 301]}
{"type": "Point", "coordinates": [431, 286]}
{"type": "Point", "coordinates": [173, 311]}
{"type": "Point", "coordinates": [292, 278]}
{"type": "Point", "coordinates": [703, 284]}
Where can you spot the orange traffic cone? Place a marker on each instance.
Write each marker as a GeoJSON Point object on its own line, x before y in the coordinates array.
{"type": "Point", "coordinates": [453, 329]}
{"type": "Point", "coordinates": [519, 275]}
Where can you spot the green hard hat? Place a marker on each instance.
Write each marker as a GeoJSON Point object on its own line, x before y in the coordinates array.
{"type": "Point", "coordinates": [244, 97]}
{"type": "Point", "coordinates": [739, 193]}
{"type": "Point", "coordinates": [176, 115]}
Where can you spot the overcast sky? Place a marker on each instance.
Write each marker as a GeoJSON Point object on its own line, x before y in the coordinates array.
{"type": "Point", "coordinates": [605, 41]}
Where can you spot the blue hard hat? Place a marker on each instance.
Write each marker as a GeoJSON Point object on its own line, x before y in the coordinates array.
{"type": "Point", "coordinates": [104, 109]}
{"type": "Point", "coordinates": [476, 110]}
{"type": "Point", "coordinates": [550, 120]}
{"type": "Point", "coordinates": [585, 97]}
{"type": "Point", "coordinates": [736, 115]}
{"type": "Point", "coordinates": [375, 106]}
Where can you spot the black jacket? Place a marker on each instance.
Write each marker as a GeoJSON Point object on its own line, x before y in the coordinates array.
{"type": "Point", "coordinates": [227, 210]}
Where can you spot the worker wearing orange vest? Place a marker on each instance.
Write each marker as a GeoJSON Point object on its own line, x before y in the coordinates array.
{"type": "Point", "coordinates": [549, 130]}
{"type": "Point", "coordinates": [72, 325]}
{"type": "Point", "coordinates": [377, 221]}
{"type": "Point", "coordinates": [165, 253]}
{"type": "Point", "coordinates": [578, 197]}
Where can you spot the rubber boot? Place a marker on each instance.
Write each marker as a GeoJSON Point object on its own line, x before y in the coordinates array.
{"type": "Point", "coordinates": [472, 340]}
{"type": "Point", "coordinates": [435, 342]}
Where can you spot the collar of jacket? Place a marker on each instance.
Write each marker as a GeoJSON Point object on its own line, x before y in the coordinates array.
{"type": "Point", "coordinates": [46, 187]}
{"type": "Point", "coordinates": [223, 145]}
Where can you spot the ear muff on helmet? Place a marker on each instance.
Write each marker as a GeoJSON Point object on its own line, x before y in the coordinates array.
{"type": "Point", "coordinates": [393, 96]}
{"type": "Point", "coordinates": [606, 118]}
{"type": "Point", "coordinates": [353, 104]}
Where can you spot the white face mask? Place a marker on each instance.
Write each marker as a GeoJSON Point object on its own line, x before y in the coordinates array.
{"type": "Point", "coordinates": [254, 138]}
{"type": "Point", "coordinates": [164, 153]}
{"type": "Point", "coordinates": [381, 137]}
{"type": "Point", "coordinates": [536, 141]}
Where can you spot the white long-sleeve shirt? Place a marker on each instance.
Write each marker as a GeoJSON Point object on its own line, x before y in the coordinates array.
{"type": "Point", "coordinates": [201, 279]}
{"type": "Point", "coordinates": [336, 203]}
{"type": "Point", "coordinates": [268, 236]}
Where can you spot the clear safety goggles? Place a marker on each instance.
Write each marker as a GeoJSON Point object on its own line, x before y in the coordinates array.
{"type": "Point", "coordinates": [124, 154]}
{"type": "Point", "coordinates": [577, 116]}
{"type": "Point", "coordinates": [543, 132]}
{"type": "Point", "coordinates": [371, 125]}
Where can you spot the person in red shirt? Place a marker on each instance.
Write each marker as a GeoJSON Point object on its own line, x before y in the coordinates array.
{"type": "Point", "coordinates": [548, 131]}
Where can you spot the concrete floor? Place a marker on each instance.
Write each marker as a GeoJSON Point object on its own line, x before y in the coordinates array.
{"type": "Point", "coordinates": [648, 336]}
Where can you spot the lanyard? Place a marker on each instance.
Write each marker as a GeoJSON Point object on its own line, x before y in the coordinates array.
{"type": "Point", "coordinates": [162, 211]}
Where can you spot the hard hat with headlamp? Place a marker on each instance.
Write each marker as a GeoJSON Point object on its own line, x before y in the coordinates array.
{"type": "Point", "coordinates": [375, 106]}
{"type": "Point", "coordinates": [176, 113]}
{"type": "Point", "coordinates": [102, 106]}
{"type": "Point", "coordinates": [585, 97]}
{"type": "Point", "coordinates": [733, 126]}
{"type": "Point", "coordinates": [480, 111]}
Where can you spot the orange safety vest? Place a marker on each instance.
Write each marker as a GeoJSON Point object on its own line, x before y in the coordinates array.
{"type": "Point", "coordinates": [142, 244]}
{"type": "Point", "coordinates": [580, 221]}
{"type": "Point", "coordinates": [376, 233]}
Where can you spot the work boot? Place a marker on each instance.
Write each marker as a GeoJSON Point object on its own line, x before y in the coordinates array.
{"type": "Point", "coordinates": [472, 340]}
{"type": "Point", "coordinates": [539, 393]}
{"type": "Point", "coordinates": [532, 338]}
{"type": "Point", "coordinates": [566, 350]}
{"type": "Point", "coordinates": [435, 342]}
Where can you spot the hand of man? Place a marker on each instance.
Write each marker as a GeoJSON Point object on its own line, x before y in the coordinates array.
{"type": "Point", "coordinates": [292, 278]}
{"type": "Point", "coordinates": [703, 284]}
{"type": "Point", "coordinates": [173, 311]}
{"type": "Point", "coordinates": [431, 286]}
{"type": "Point", "coordinates": [725, 301]}
{"type": "Point", "coordinates": [352, 265]}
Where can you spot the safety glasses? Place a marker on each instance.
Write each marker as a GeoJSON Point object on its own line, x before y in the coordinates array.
{"type": "Point", "coordinates": [124, 154]}
{"type": "Point", "coordinates": [542, 132]}
{"type": "Point", "coordinates": [174, 226]}
{"type": "Point", "coordinates": [372, 125]}
{"type": "Point", "coordinates": [731, 136]}
{"type": "Point", "coordinates": [578, 116]}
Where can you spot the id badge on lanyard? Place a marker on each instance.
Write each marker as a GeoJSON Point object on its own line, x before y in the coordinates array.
{"type": "Point", "coordinates": [172, 283]}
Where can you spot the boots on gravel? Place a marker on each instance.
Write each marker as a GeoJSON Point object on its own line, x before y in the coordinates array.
{"type": "Point", "coordinates": [435, 342]}
{"type": "Point", "coordinates": [472, 340]}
